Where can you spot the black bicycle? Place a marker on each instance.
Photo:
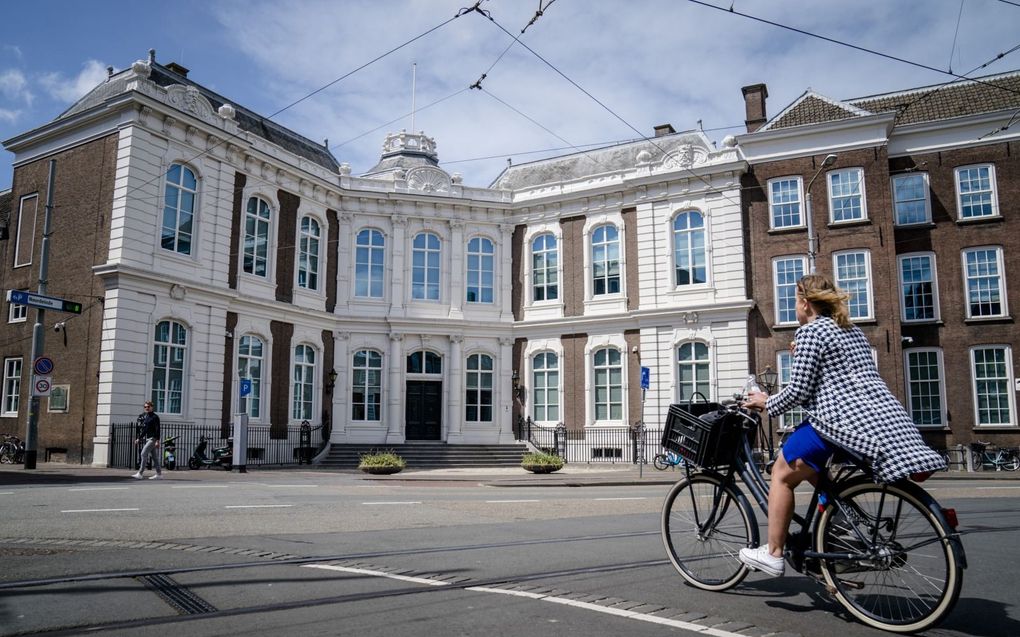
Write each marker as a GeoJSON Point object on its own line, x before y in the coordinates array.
{"type": "Point", "coordinates": [887, 552]}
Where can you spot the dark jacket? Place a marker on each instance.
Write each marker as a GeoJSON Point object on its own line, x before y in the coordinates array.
{"type": "Point", "coordinates": [148, 425]}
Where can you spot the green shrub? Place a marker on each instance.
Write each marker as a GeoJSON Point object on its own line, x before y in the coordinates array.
{"type": "Point", "coordinates": [538, 459]}
{"type": "Point", "coordinates": [381, 459]}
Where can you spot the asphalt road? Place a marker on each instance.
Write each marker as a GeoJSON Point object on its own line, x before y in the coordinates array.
{"type": "Point", "coordinates": [309, 553]}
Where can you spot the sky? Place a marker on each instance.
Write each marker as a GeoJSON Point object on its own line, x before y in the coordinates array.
{"type": "Point", "coordinates": [597, 72]}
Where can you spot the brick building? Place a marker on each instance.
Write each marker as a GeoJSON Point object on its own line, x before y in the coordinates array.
{"type": "Point", "coordinates": [914, 208]}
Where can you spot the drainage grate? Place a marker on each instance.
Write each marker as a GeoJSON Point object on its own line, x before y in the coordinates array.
{"type": "Point", "coordinates": [181, 599]}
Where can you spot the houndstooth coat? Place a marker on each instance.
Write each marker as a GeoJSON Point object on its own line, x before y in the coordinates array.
{"type": "Point", "coordinates": [835, 377]}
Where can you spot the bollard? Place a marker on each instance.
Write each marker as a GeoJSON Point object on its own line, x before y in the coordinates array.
{"type": "Point", "coordinates": [305, 443]}
{"type": "Point", "coordinates": [241, 442]}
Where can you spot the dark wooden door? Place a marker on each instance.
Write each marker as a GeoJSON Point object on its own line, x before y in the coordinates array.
{"type": "Point", "coordinates": [423, 411]}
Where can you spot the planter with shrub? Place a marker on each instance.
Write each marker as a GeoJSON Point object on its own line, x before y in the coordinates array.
{"type": "Point", "coordinates": [381, 463]}
{"type": "Point", "coordinates": [540, 462]}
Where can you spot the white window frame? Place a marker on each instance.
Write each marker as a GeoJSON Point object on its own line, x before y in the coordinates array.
{"type": "Point", "coordinates": [830, 177]}
{"type": "Point", "coordinates": [365, 387]}
{"type": "Point", "coordinates": [775, 286]}
{"type": "Point", "coordinates": [163, 399]}
{"type": "Point", "coordinates": [694, 363]}
{"type": "Point", "coordinates": [258, 220]}
{"type": "Point", "coordinates": [547, 270]}
{"type": "Point", "coordinates": [476, 275]}
{"type": "Point", "coordinates": [540, 392]}
{"type": "Point", "coordinates": [257, 383]}
{"type": "Point", "coordinates": [309, 376]}
{"type": "Point", "coordinates": [926, 198]}
{"type": "Point", "coordinates": [689, 249]}
{"type": "Point", "coordinates": [309, 253]}
{"type": "Point", "coordinates": [936, 310]}
{"type": "Point", "coordinates": [941, 382]}
{"type": "Point", "coordinates": [177, 210]}
{"type": "Point", "coordinates": [784, 369]}
{"type": "Point", "coordinates": [1001, 273]}
{"type": "Point", "coordinates": [370, 249]}
{"type": "Point", "coordinates": [869, 282]}
{"type": "Point", "coordinates": [1010, 385]}
{"type": "Point", "coordinates": [13, 369]}
{"type": "Point", "coordinates": [992, 190]}
{"type": "Point", "coordinates": [18, 257]}
{"type": "Point", "coordinates": [474, 383]}
{"type": "Point", "coordinates": [607, 261]}
{"type": "Point", "coordinates": [609, 403]}
{"type": "Point", "coordinates": [17, 313]}
{"type": "Point", "coordinates": [428, 285]}
{"type": "Point", "coordinates": [800, 202]}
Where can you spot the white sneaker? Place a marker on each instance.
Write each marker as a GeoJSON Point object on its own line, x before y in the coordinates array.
{"type": "Point", "coordinates": [136, 476]}
{"type": "Point", "coordinates": [158, 476]}
{"type": "Point", "coordinates": [761, 560]}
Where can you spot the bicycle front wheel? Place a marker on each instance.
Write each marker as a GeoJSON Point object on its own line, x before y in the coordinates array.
{"type": "Point", "coordinates": [1011, 463]}
{"type": "Point", "coordinates": [7, 454]}
{"type": "Point", "coordinates": [908, 579]}
{"type": "Point", "coordinates": [659, 462]}
{"type": "Point", "coordinates": [705, 523]}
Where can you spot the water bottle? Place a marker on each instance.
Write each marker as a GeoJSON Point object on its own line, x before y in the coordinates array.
{"type": "Point", "coordinates": [751, 385]}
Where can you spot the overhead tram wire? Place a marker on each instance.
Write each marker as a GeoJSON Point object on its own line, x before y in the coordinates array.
{"type": "Point", "coordinates": [393, 121]}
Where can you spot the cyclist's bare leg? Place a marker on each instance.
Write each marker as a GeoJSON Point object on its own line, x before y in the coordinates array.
{"type": "Point", "coordinates": [785, 478]}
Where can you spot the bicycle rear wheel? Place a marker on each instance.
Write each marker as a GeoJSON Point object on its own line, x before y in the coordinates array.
{"type": "Point", "coordinates": [1011, 462]}
{"type": "Point", "coordinates": [7, 454]}
{"type": "Point", "coordinates": [660, 462]}
{"type": "Point", "coordinates": [911, 580]}
{"type": "Point", "coordinates": [704, 525]}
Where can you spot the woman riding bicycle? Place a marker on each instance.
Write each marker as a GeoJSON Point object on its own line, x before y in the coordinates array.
{"type": "Point", "coordinates": [835, 377]}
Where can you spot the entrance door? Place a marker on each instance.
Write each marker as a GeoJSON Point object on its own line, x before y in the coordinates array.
{"type": "Point", "coordinates": [423, 411]}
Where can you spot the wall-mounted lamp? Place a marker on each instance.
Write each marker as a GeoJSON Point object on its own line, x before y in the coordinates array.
{"type": "Point", "coordinates": [516, 380]}
{"type": "Point", "coordinates": [332, 380]}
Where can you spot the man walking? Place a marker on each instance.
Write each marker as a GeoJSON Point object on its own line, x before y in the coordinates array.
{"type": "Point", "coordinates": [149, 439]}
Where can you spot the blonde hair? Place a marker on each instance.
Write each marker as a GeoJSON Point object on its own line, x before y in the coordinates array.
{"type": "Point", "coordinates": [826, 298]}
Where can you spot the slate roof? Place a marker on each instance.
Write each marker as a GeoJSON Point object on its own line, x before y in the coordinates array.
{"type": "Point", "coordinates": [246, 119]}
{"type": "Point", "coordinates": [924, 104]}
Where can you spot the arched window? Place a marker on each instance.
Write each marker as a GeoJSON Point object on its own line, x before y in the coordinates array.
{"type": "Point", "coordinates": [369, 264]}
{"type": "Point", "coordinates": [303, 383]}
{"type": "Point", "coordinates": [693, 369]}
{"type": "Point", "coordinates": [478, 400]}
{"type": "Point", "coordinates": [545, 387]}
{"type": "Point", "coordinates": [608, 384]}
{"type": "Point", "coordinates": [480, 270]}
{"type": "Point", "coordinates": [256, 237]}
{"type": "Point", "coordinates": [425, 267]}
{"type": "Point", "coordinates": [249, 366]}
{"type": "Point", "coordinates": [366, 381]}
{"type": "Point", "coordinates": [544, 268]}
{"type": "Point", "coordinates": [605, 260]}
{"type": "Point", "coordinates": [308, 254]}
{"type": "Point", "coordinates": [169, 354]}
{"type": "Point", "coordinates": [178, 209]}
{"type": "Point", "coordinates": [424, 362]}
{"type": "Point", "coordinates": [689, 248]}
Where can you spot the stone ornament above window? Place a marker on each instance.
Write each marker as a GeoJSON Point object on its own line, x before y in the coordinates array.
{"type": "Point", "coordinates": [428, 179]}
{"type": "Point", "coordinates": [685, 156]}
{"type": "Point", "coordinates": [189, 99]}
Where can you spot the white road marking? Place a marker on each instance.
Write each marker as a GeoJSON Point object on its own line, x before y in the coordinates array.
{"type": "Point", "coordinates": [100, 489]}
{"type": "Point", "coordinates": [6, 493]}
{"type": "Point", "coordinates": [202, 486]}
{"type": "Point", "coordinates": [989, 488]}
{"type": "Point", "coordinates": [614, 499]}
{"type": "Point", "coordinates": [374, 503]}
{"type": "Point", "coordinates": [257, 506]}
{"type": "Point", "coordinates": [292, 486]}
{"type": "Point", "coordinates": [362, 571]}
{"type": "Point", "coordinates": [95, 510]}
{"type": "Point", "coordinates": [508, 501]}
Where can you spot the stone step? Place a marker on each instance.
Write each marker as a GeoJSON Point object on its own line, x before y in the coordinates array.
{"type": "Point", "coordinates": [431, 455]}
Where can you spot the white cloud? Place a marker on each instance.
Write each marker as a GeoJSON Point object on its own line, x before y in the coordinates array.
{"type": "Point", "coordinates": [70, 89]}
{"type": "Point", "coordinates": [14, 49]}
{"type": "Point", "coordinates": [14, 86]}
{"type": "Point", "coordinates": [9, 116]}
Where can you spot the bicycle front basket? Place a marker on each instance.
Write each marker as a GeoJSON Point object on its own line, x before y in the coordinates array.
{"type": "Point", "coordinates": [700, 434]}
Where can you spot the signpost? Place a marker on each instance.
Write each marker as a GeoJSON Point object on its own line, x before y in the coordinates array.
{"type": "Point", "coordinates": [40, 301]}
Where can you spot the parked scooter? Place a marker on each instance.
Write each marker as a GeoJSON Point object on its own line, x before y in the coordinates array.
{"type": "Point", "coordinates": [222, 456]}
{"type": "Point", "coordinates": [170, 453]}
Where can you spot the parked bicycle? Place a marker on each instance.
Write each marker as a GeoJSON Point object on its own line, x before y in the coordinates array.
{"type": "Point", "coordinates": [888, 553]}
{"type": "Point", "coordinates": [12, 450]}
{"type": "Point", "coordinates": [663, 461]}
{"type": "Point", "coordinates": [1000, 459]}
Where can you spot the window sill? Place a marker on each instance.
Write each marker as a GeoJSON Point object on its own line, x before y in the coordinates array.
{"type": "Point", "coordinates": [1003, 428]}
{"type": "Point", "coordinates": [975, 320]}
{"type": "Point", "coordinates": [9, 415]}
{"type": "Point", "coordinates": [924, 225]}
{"type": "Point", "coordinates": [789, 230]}
{"type": "Point", "coordinates": [934, 429]}
{"type": "Point", "coordinates": [864, 321]}
{"type": "Point", "coordinates": [855, 223]}
{"type": "Point", "coordinates": [925, 322]}
{"type": "Point", "coordinates": [979, 220]}
{"type": "Point", "coordinates": [785, 326]}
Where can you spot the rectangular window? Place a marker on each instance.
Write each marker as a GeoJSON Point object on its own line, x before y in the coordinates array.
{"type": "Point", "coordinates": [12, 386]}
{"type": "Point", "coordinates": [784, 203]}
{"type": "Point", "coordinates": [17, 313]}
{"type": "Point", "coordinates": [993, 385]}
{"type": "Point", "coordinates": [853, 274]}
{"type": "Point", "coordinates": [924, 387]}
{"type": "Point", "coordinates": [918, 287]}
{"type": "Point", "coordinates": [793, 417]}
{"type": "Point", "coordinates": [786, 271]}
{"type": "Point", "coordinates": [846, 195]}
{"type": "Point", "coordinates": [910, 199]}
{"type": "Point", "coordinates": [983, 280]}
{"type": "Point", "coordinates": [25, 242]}
{"type": "Point", "coordinates": [975, 192]}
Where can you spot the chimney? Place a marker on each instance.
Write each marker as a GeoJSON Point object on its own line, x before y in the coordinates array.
{"type": "Point", "coordinates": [754, 106]}
{"type": "Point", "coordinates": [664, 129]}
{"type": "Point", "coordinates": [177, 68]}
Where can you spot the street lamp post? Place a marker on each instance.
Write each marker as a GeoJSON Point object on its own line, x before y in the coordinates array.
{"type": "Point", "coordinates": [828, 161]}
{"type": "Point", "coordinates": [767, 380]}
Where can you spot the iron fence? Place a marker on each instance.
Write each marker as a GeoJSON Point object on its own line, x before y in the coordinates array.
{"type": "Point", "coordinates": [263, 449]}
{"type": "Point", "coordinates": [593, 445]}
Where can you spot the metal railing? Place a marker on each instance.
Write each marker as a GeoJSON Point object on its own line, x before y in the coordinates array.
{"type": "Point", "coordinates": [263, 449]}
{"type": "Point", "coordinates": [593, 445]}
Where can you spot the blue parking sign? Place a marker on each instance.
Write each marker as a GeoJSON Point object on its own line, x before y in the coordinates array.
{"type": "Point", "coordinates": [245, 387]}
{"type": "Point", "coordinates": [646, 377]}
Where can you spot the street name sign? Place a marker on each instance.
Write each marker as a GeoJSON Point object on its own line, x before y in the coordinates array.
{"type": "Point", "coordinates": [22, 297]}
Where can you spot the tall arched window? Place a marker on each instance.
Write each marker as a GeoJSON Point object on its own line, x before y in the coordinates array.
{"type": "Point", "coordinates": [608, 384]}
{"type": "Point", "coordinates": [308, 254]}
{"type": "Point", "coordinates": [605, 260]}
{"type": "Point", "coordinates": [480, 268]}
{"type": "Point", "coordinates": [256, 237]}
{"type": "Point", "coordinates": [545, 387]}
{"type": "Point", "coordinates": [369, 264]}
{"type": "Point", "coordinates": [478, 400]}
{"type": "Point", "coordinates": [170, 347]}
{"type": "Point", "coordinates": [424, 362]}
{"type": "Point", "coordinates": [303, 387]}
{"type": "Point", "coordinates": [545, 268]}
{"type": "Point", "coordinates": [425, 267]}
{"type": "Point", "coordinates": [178, 209]}
{"type": "Point", "coordinates": [693, 370]}
{"type": "Point", "coordinates": [366, 381]}
{"type": "Point", "coordinates": [689, 248]}
{"type": "Point", "coordinates": [249, 366]}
